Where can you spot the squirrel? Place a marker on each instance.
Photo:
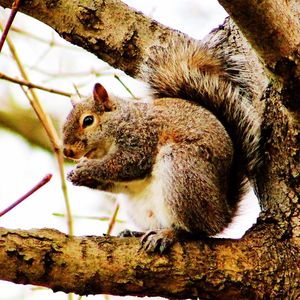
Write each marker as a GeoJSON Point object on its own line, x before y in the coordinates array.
{"type": "Point", "coordinates": [183, 158]}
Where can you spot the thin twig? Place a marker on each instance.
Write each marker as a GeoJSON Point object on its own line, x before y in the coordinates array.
{"type": "Point", "coordinates": [50, 130]}
{"type": "Point", "coordinates": [105, 71]}
{"type": "Point", "coordinates": [60, 215]}
{"type": "Point", "coordinates": [113, 219]}
{"type": "Point", "coordinates": [53, 75]}
{"type": "Point", "coordinates": [77, 90]}
{"type": "Point", "coordinates": [51, 42]}
{"type": "Point", "coordinates": [29, 193]}
{"type": "Point", "coordinates": [15, 6]}
{"type": "Point", "coordinates": [125, 86]}
{"type": "Point", "coordinates": [33, 85]}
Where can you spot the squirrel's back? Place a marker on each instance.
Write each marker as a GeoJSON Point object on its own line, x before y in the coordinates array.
{"type": "Point", "coordinates": [217, 81]}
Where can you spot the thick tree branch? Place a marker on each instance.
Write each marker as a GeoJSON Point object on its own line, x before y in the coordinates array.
{"type": "Point", "coordinates": [110, 29]}
{"type": "Point", "coordinates": [93, 26]}
{"type": "Point", "coordinates": [272, 27]}
{"type": "Point", "coordinates": [119, 35]}
{"type": "Point", "coordinates": [97, 265]}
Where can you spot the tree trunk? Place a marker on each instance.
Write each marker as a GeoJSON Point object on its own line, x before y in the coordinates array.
{"type": "Point", "coordinates": [265, 262]}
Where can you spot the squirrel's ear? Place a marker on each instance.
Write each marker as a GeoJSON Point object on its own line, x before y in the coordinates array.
{"type": "Point", "coordinates": [101, 97]}
{"type": "Point", "coordinates": [75, 99]}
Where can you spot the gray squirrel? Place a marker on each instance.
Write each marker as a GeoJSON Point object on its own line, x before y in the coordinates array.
{"type": "Point", "coordinates": [185, 157]}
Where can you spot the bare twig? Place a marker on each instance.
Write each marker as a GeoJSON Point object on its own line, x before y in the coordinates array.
{"type": "Point", "coordinates": [29, 193]}
{"type": "Point", "coordinates": [32, 85]}
{"type": "Point", "coordinates": [15, 6]}
{"type": "Point", "coordinates": [77, 90]}
{"type": "Point", "coordinates": [96, 218]}
{"type": "Point", "coordinates": [113, 219]}
{"type": "Point", "coordinates": [52, 42]}
{"type": "Point", "coordinates": [125, 86]}
{"type": "Point", "coordinates": [49, 128]}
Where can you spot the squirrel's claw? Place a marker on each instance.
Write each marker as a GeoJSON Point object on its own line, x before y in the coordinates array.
{"type": "Point", "coordinates": [130, 233]}
{"type": "Point", "coordinates": [77, 177]}
{"type": "Point", "coordinates": [71, 176]}
{"type": "Point", "coordinates": [158, 240]}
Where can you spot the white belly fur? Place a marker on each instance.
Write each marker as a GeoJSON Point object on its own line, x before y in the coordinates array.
{"type": "Point", "coordinates": [144, 199]}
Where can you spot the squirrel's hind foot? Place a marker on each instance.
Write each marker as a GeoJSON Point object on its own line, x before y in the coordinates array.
{"type": "Point", "coordinates": [158, 240]}
{"type": "Point", "coordinates": [130, 233]}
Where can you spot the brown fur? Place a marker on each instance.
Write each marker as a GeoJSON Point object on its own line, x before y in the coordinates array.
{"type": "Point", "coordinates": [183, 165]}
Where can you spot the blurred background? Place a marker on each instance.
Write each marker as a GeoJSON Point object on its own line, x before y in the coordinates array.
{"type": "Point", "coordinates": [25, 154]}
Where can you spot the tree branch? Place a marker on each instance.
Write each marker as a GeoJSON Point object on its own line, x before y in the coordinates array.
{"type": "Point", "coordinates": [33, 85]}
{"type": "Point", "coordinates": [93, 27]}
{"type": "Point", "coordinates": [272, 27]}
{"type": "Point", "coordinates": [97, 265]}
{"type": "Point", "coordinates": [23, 122]}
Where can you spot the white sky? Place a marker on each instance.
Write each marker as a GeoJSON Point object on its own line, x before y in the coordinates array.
{"type": "Point", "coordinates": [23, 166]}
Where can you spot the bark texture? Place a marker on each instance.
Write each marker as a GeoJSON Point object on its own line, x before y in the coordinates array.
{"type": "Point", "coordinates": [209, 269]}
{"type": "Point", "coordinates": [272, 27]}
{"type": "Point", "coordinates": [265, 263]}
{"type": "Point", "coordinates": [109, 29]}
{"type": "Point", "coordinates": [272, 21]}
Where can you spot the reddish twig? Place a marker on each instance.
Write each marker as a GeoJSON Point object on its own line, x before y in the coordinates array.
{"type": "Point", "coordinates": [34, 189]}
{"type": "Point", "coordinates": [32, 85]}
{"type": "Point", "coordinates": [15, 6]}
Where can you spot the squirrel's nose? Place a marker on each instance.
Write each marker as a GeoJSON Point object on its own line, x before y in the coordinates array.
{"type": "Point", "coordinates": [68, 152]}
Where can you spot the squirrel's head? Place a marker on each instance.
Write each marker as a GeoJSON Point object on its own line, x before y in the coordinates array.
{"type": "Point", "coordinates": [82, 132]}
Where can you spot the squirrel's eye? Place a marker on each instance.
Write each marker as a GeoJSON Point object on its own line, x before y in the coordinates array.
{"type": "Point", "coordinates": [87, 121]}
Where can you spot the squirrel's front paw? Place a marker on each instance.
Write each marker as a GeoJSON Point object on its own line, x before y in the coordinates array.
{"type": "Point", "coordinates": [82, 176]}
{"type": "Point", "coordinates": [72, 176]}
{"type": "Point", "coordinates": [77, 178]}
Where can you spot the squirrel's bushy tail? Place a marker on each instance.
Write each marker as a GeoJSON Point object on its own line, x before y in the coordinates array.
{"type": "Point", "coordinates": [217, 81]}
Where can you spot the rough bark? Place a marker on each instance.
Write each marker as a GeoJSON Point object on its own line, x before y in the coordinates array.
{"type": "Point", "coordinates": [272, 21]}
{"type": "Point", "coordinates": [272, 28]}
{"type": "Point", "coordinates": [265, 263]}
{"type": "Point", "coordinates": [209, 269]}
{"type": "Point", "coordinates": [109, 29]}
